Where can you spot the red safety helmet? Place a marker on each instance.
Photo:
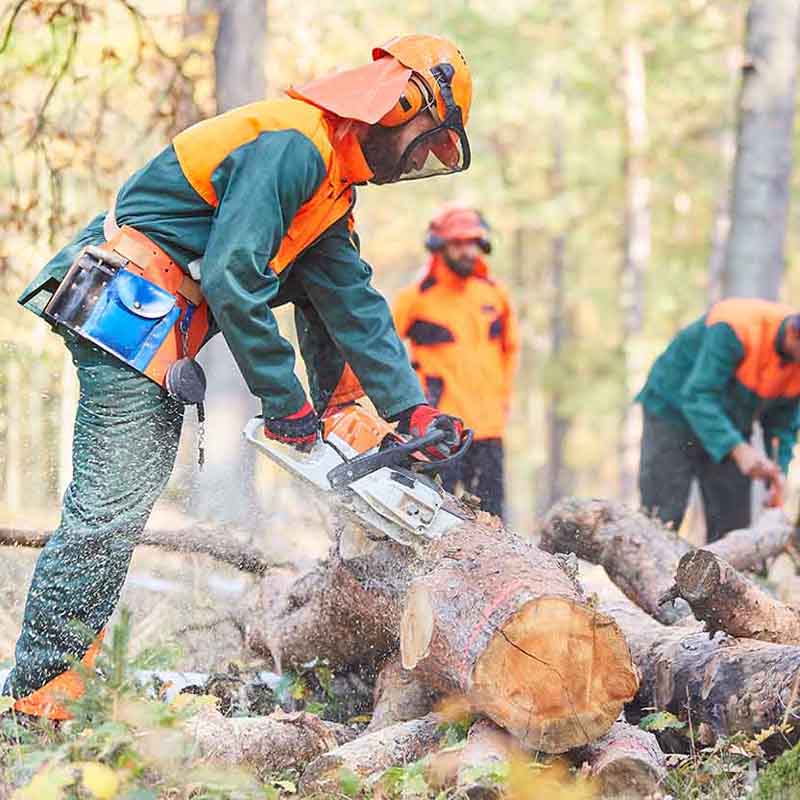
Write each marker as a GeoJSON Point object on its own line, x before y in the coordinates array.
{"type": "Point", "coordinates": [458, 223]}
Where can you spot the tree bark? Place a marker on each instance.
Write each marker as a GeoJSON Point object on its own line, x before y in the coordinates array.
{"type": "Point", "coordinates": [731, 685]}
{"type": "Point", "coordinates": [762, 171]}
{"type": "Point", "coordinates": [627, 763]}
{"type": "Point", "coordinates": [640, 554]}
{"type": "Point", "coordinates": [518, 641]}
{"type": "Point", "coordinates": [266, 744]}
{"type": "Point", "coordinates": [370, 755]}
{"type": "Point", "coordinates": [400, 695]}
{"type": "Point", "coordinates": [727, 601]}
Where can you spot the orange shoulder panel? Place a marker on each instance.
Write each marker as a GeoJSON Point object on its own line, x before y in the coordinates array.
{"type": "Point", "coordinates": [756, 323]}
{"type": "Point", "coordinates": [203, 147]}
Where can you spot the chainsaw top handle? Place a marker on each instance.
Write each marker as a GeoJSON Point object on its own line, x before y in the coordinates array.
{"type": "Point", "coordinates": [399, 455]}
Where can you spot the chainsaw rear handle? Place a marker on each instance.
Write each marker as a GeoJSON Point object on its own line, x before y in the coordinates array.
{"type": "Point", "coordinates": [398, 455]}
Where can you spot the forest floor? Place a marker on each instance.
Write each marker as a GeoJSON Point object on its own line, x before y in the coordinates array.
{"type": "Point", "coordinates": [185, 605]}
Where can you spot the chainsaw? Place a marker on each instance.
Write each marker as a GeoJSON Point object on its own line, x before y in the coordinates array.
{"type": "Point", "coordinates": [381, 477]}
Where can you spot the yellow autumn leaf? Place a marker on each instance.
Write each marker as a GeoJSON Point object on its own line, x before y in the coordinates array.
{"type": "Point", "coordinates": [99, 779]}
{"type": "Point", "coordinates": [194, 702]}
{"type": "Point", "coordinates": [552, 782]}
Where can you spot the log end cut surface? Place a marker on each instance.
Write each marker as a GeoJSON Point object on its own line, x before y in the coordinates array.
{"type": "Point", "coordinates": [556, 675]}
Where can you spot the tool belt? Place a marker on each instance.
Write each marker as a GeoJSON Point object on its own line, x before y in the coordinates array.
{"type": "Point", "coordinates": [129, 298]}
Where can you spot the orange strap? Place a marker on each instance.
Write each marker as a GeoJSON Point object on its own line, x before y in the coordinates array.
{"type": "Point", "coordinates": [49, 701]}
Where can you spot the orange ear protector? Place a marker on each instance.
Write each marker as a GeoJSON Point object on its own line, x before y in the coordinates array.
{"type": "Point", "coordinates": [409, 104]}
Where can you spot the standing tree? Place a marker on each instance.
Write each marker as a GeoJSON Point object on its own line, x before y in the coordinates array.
{"type": "Point", "coordinates": [224, 490]}
{"type": "Point", "coordinates": [761, 182]}
{"type": "Point", "coordinates": [637, 237]}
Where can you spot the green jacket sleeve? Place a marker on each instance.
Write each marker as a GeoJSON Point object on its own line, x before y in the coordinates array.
{"type": "Point", "coordinates": [260, 187]}
{"type": "Point", "coordinates": [781, 423]}
{"type": "Point", "coordinates": [337, 282]}
{"type": "Point", "coordinates": [702, 393]}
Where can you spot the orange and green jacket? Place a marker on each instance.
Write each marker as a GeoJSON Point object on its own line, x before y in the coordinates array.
{"type": "Point", "coordinates": [462, 336]}
{"type": "Point", "coordinates": [726, 370]}
{"type": "Point", "coordinates": [259, 193]}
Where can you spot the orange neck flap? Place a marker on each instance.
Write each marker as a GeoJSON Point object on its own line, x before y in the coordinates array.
{"type": "Point", "coordinates": [438, 269]}
{"type": "Point", "coordinates": [364, 94]}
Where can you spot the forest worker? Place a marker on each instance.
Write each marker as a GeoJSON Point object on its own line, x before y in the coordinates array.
{"type": "Point", "coordinates": [257, 205]}
{"type": "Point", "coordinates": [462, 334]}
{"type": "Point", "coordinates": [738, 363]}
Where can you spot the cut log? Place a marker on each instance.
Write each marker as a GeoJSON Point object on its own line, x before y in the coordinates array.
{"type": "Point", "coordinates": [325, 613]}
{"type": "Point", "coordinates": [502, 623]}
{"type": "Point", "coordinates": [370, 755]}
{"type": "Point", "coordinates": [400, 695]}
{"type": "Point", "coordinates": [266, 744]}
{"type": "Point", "coordinates": [479, 612]}
{"type": "Point", "coordinates": [729, 684]}
{"type": "Point", "coordinates": [488, 749]}
{"type": "Point", "coordinates": [627, 763]}
{"type": "Point", "coordinates": [640, 554]}
{"type": "Point", "coordinates": [728, 601]}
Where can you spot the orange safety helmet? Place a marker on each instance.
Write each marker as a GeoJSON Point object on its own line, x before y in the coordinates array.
{"type": "Point", "coordinates": [440, 82]}
{"type": "Point", "coordinates": [458, 223]}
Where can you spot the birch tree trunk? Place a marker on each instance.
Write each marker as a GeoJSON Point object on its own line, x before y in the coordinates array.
{"type": "Point", "coordinates": [762, 171]}
{"type": "Point", "coordinates": [636, 247]}
{"type": "Point", "coordinates": [224, 491]}
{"type": "Point", "coordinates": [558, 482]}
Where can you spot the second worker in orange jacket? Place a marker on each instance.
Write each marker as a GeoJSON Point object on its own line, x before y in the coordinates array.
{"type": "Point", "coordinates": [462, 336]}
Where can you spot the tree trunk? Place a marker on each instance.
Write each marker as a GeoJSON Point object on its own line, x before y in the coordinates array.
{"type": "Point", "coordinates": [558, 481]}
{"type": "Point", "coordinates": [637, 244]}
{"type": "Point", "coordinates": [224, 491]}
{"type": "Point", "coordinates": [731, 685]}
{"type": "Point", "coordinates": [400, 695]}
{"type": "Point", "coordinates": [370, 755]}
{"type": "Point", "coordinates": [627, 763]}
{"type": "Point", "coordinates": [488, 747]}
{"type": "Point", "coordinates": [728, 601]}
{"type": "Point", "coordinates": [518, 641]}
{"type": "Point", "coordinates": [762, 171]}
{"type": "Point", "coordinates": [266, 744]}
{"type": "Point", "coordinates": [640, 554]}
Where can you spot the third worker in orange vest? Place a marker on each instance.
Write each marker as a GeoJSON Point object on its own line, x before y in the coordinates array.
{"type": "Point", "coordinates": [462, 334]}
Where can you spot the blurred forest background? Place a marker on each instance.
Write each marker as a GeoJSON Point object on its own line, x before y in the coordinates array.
{"type": "Point", "coordinates": [603, 142]}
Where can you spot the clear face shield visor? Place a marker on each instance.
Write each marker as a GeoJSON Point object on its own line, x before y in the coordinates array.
{"type": "Point", "coordinates": [444, 149]}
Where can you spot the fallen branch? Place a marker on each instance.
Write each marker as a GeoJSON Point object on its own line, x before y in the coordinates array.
{"type": "Point", "coordinates": [214, 542]}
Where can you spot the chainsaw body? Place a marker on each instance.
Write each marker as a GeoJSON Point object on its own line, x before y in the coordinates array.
{"type": "Point", "coordinates": [373, 473]}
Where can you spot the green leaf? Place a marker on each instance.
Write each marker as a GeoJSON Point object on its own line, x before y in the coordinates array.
{"type": "Point", "coordinates": [349, 782]}
{"type": "Point", "coordinates": [660, 721]}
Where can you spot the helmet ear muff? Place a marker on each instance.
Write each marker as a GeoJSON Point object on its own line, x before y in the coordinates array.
{"type": "Point", "coordinates": [408, 105]}
{"type": "Point", "coordinates": [433, 243]}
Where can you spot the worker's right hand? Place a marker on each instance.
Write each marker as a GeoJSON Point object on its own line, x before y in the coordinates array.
{"type": "Point", "coordinates": [755, 464]}
{"type": "Point", "coordinates": [425, 419]}
{"type": "Point", "coordinates": [298, 429]}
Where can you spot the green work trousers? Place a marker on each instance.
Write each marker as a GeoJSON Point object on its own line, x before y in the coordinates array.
{"type": "Point", "coordinates": [671, 457]}
{"type": "Point", "coordinates": [126, 438]}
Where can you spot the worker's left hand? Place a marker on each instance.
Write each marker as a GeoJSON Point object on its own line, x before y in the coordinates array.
{"type": "Point", "coordinates": [298, 429]}
{"type": "Point", "coordinates": [776, 492]}
{"type": "Point", "coordinates": [424, 419]}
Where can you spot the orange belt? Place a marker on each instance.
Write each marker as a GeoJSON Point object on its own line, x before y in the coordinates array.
{"type": "Point", "coordinates": [147, 259]}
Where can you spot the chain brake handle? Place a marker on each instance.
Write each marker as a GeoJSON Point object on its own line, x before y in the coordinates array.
{"type": "Point", "coordinates": [398, 455]}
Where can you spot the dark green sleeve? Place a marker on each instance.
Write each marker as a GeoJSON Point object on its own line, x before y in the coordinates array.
{"type": "Point", "coordinates": [781, 423]}
{"type": "Point", "coordinates": [703, 391]}
{"type": "Point", "coordinates": [337, 282]}
{"type": "Point", "coordinates": [260, 187]}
